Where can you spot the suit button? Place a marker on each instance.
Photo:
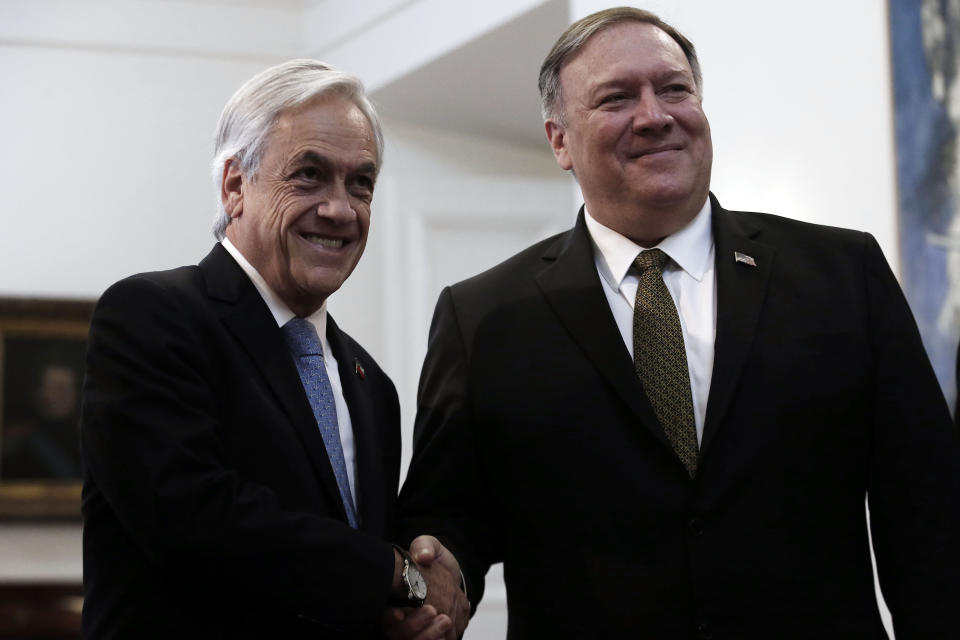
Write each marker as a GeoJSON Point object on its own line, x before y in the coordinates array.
{"type": "Point", "coordinates": [704, 631]}
{"type": "Point", "coordinates": [695, 527]}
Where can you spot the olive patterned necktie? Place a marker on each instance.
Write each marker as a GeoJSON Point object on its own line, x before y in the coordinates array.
{"type": "Point", "coordinates": [304, 344]}
{"type": "Point", "coordinates": [660, 358]}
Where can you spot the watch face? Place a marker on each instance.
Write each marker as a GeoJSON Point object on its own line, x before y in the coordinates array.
{"type": "Point", "coordinates": [418, 586]}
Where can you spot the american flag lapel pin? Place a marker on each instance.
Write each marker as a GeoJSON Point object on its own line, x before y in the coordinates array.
{"type": "Point", "coordinates": [744, 258]}
{"type": "Point", "coordinates": [358, 369]}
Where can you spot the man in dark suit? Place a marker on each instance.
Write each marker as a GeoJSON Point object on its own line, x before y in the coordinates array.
{"type": "Point", "coordinates": [665, 422]}
{"type": "Point", "coordinates": [241, 452]}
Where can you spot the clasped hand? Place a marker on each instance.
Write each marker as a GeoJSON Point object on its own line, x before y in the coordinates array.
{"type": "Point", "coordinates": [446, 611]}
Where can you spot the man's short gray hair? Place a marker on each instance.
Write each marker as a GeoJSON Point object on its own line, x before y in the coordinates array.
{"type": "Point", "coordinates": [251, 113]}
{"type": "Point", "coordinates": [577, 34]}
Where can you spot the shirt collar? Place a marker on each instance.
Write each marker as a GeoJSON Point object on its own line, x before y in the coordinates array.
{"type": "Point", "coordinates": [278, 308]}
{"type": "Point", "coordinates": [689, 247]}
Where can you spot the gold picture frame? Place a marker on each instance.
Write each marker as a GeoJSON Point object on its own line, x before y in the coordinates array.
{"type": "Point", "coordinates": [42, 347]}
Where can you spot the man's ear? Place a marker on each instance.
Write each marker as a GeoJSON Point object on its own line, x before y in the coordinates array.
{"type": "Point", "coordinates": [231, 188]}
{"type": "Point", "coordinates": [557, 136]}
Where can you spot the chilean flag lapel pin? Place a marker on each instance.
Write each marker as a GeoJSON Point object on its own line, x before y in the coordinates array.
{"type": "Point", "coordinates": [358, 369]}
{"type": "Point", "coordinates": [744, 259]}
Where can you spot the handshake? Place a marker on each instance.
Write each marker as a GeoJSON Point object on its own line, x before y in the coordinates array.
{"type": "Point", "coordinates": [430, 575]}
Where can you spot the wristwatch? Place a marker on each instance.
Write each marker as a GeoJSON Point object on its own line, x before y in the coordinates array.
{"type": "Point", "coordinates": [412, 579]}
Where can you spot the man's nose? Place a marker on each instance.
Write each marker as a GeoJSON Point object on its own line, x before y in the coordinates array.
{"type": "Point", "coordinates": [650, 114]}
{"type": "Point", "coordinates": [335, 204]}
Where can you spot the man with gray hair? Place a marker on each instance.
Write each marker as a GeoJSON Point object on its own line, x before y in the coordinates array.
{"type": "Point", "coordinates": [665, 421]}
{"type": "Point", "coordinates": [241, 452]}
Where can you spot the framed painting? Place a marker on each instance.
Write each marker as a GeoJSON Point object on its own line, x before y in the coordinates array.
{"type": "Point", "coordinates": [925, 46]}
{"type": "Point", "coordinates": [42, 350]}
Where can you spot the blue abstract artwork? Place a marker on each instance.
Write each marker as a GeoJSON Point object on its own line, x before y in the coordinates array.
{"type": "Point", "coordinates": [925, 40]}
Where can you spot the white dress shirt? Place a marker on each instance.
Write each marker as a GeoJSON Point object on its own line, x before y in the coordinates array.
{"type": "Point", "coordinates": [691, 280]}
{"type": "Point", "coordinates": [282, 314]}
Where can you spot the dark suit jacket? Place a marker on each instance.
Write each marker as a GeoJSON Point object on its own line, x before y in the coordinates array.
{"type": "Point", "coordinates": [210, 507]}
{"type": "Point", "coordinates": [535, 445]}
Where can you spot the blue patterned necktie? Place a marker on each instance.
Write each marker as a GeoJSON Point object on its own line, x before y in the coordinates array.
{"type": "Point", "coordinates": [305, 346]}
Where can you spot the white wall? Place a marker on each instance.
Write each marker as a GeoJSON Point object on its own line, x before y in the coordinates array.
{"type": "Point", "coordinates": [382, 40]}
{"type": "Point", "coordinates": [107, 127]}
{"type": "Point", "coordinates": [104, 166]}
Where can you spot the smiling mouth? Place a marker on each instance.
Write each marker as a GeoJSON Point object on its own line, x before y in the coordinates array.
{"type": "Point", "coordinates": [651, 152]}
{"type": "Point", "coordinates": [322, 241]}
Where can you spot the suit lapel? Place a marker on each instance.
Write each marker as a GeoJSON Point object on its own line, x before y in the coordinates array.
{"type": "Point", "coordinates": [247, 317]}
{"type": "Point", "coordinates": [571, 286]}
{"type": "Point", "coordinates": [369, 477]}
{"type": "Point", "coordinates": [741, 289]}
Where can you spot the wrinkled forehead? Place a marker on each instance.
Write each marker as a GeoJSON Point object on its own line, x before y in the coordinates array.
{"type": "Point", "coordinates": [633, 46]}
{"type": "Point", "coordinates": [331, 119]}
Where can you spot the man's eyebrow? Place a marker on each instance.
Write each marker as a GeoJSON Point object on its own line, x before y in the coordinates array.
{"type": "Point", "coordinates": [660, 76]}
{"type": "Point", "coordinates": [673, 74]}
{"type": "Point", "coordinates": [310, 157]}
{"type": "Point", "coordinates": [367, 167]}
{"type": "Point", "coordinates": [657, 76]}
{"type": "Point", "coordinates": [608, 84]}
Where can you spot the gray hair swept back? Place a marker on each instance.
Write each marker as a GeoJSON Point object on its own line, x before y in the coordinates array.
{"type": "Point", "coordinates": [249, 116]}
{"type": "Point", "coordinates": [577, 34]}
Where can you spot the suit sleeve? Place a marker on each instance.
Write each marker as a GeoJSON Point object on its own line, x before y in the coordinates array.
{"type": "Point", "coordinates": [444, 493]}
{"type": "Point", "coordinates": [152, 452]}
{"type": "Point", "coordinates": [914, 482]}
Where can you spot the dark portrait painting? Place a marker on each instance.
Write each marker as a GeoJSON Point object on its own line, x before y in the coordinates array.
{"type": "Point", "coordinates": [925, 41]}
{"type": "Point", "coordinates": [42, 352]}
{"type": "Point", "coordinates": [41, 410]}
